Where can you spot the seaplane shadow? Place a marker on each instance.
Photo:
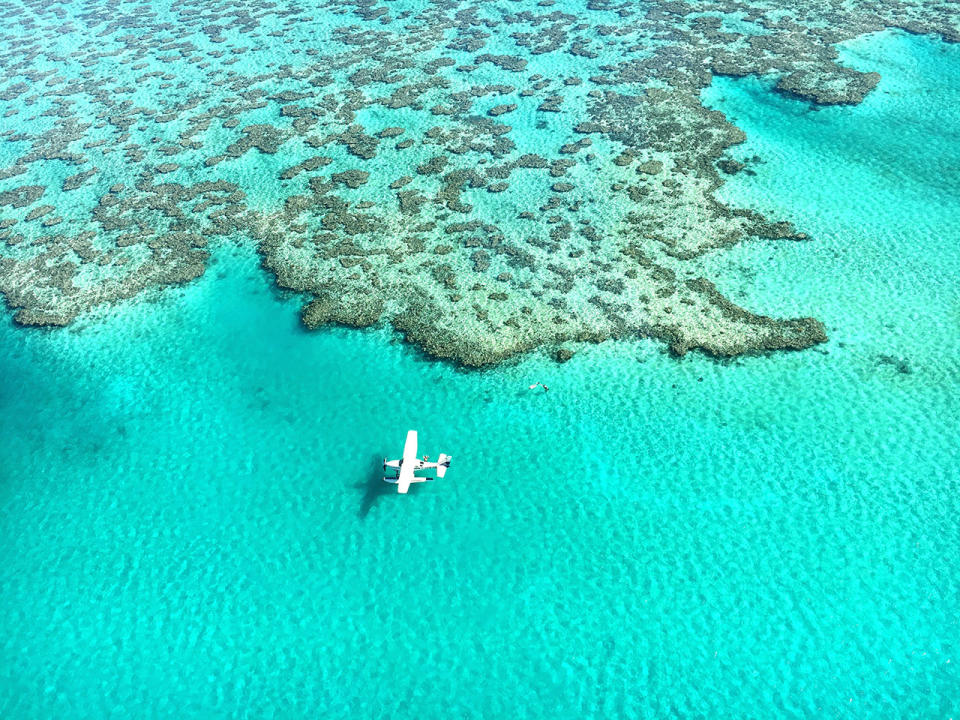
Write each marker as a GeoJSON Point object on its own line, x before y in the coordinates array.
{"type": "Point", "coordinates": [374, 488]}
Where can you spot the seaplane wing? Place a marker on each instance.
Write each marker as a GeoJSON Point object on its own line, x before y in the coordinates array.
{"type": "Point", "coordinates": [410, 463]}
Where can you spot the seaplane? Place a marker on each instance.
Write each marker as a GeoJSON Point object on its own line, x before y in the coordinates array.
{"type": "Point", "coordinates": [410, 463]}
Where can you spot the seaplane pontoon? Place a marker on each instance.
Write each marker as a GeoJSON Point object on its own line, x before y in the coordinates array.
{"type": "Point", "coordinates": [410, 463]}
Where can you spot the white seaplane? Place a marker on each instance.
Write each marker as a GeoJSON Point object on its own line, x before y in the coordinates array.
{"type": "Point", "coordinates": [410, 463]}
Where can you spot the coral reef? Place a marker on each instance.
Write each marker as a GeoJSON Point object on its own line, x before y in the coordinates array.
{"type": "Point", "coordinates": [364, 148]}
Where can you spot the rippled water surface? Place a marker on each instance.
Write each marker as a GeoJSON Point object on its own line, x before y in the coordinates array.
{"type": "Point", "coordinates": [192, 521]}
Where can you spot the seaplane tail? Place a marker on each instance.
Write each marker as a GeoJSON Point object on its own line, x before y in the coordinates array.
{"type": "Point", "coordinates": [441, 465]}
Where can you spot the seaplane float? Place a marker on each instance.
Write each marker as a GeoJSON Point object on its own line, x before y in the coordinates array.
{"type": "Point", "coordinates": [410, 464]}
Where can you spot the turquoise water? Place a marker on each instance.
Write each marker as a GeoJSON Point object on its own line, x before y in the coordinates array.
{"type": "Point", "coordinates": [193, 524]}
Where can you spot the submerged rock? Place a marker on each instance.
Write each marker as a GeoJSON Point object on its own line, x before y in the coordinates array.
{"type": "Point", "coordinates": [498, 110]}
{"type": "Point", "coordinates": [350, 311]}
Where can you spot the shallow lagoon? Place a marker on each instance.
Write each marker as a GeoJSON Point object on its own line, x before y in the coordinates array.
{"type": "Point", "coordinates": [193, 527]}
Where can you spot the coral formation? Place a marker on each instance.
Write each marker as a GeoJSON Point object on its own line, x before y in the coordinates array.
{"type": "Point", "coordinates": [364, 147]}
